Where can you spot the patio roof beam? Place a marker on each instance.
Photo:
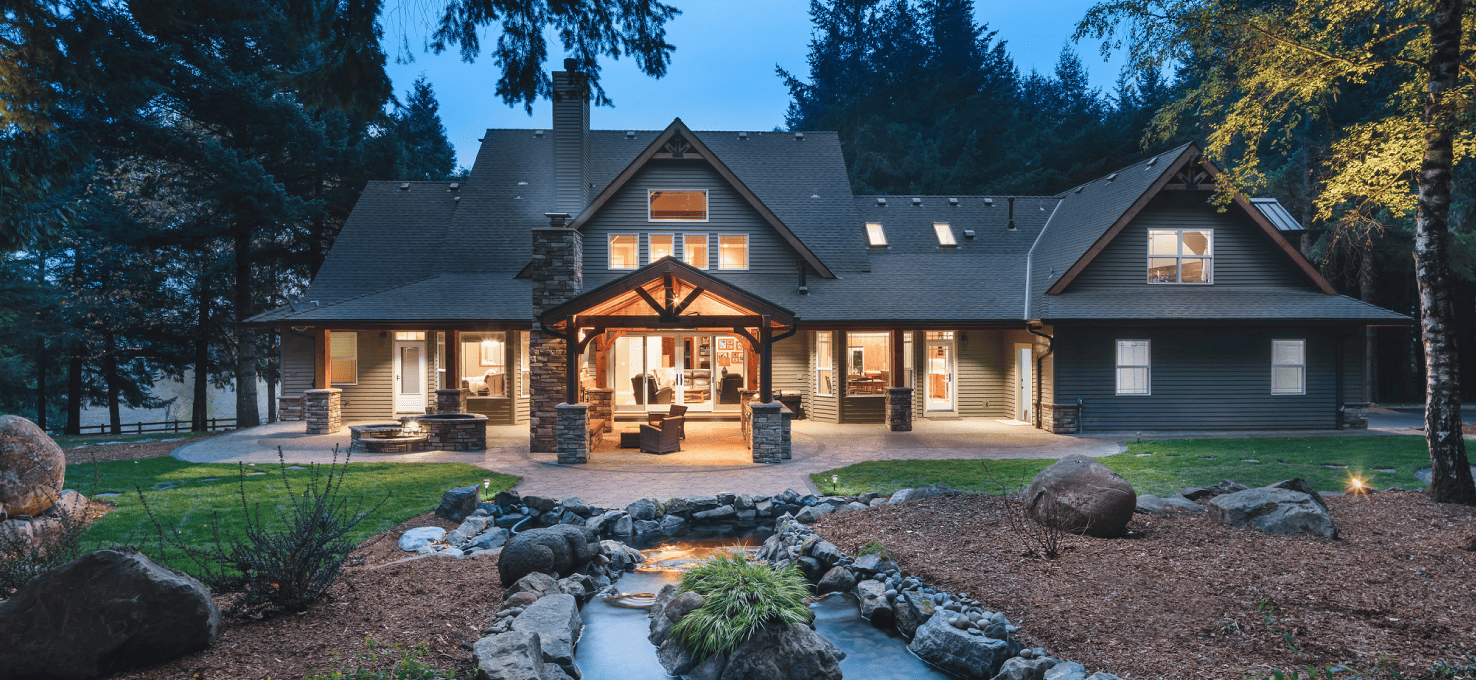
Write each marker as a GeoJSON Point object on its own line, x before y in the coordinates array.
{"type": "Point", "coordinates": [687, 302]}
{"type": "Point", "coordinates": [655, 306]}
{"type": "Point", "coordinates": [693, 322]}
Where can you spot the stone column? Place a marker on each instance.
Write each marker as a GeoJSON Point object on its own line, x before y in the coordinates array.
{"type": "Point", "coordinates": [1355, 416]}
{"type": "Point", "coordinates": [767, 440]}
{"type": "Point", "coordinates": [322, 410]}
{"type": "Point", "coordinates": [1060, 418]}
{"type": "Point", "coordinates": [899, 409]}
{"type": "Point", "coordinates": [602, 406]}
{"type": "Point", "coordinates": [451, 400]}
{"type": "Point", "coordinates": [557, 276]}
{"type": "Point", "coordinates": [573, 433]}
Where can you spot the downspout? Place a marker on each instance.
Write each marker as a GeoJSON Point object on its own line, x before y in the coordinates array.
{"type": "Point", "coordinates": [1040, 361]}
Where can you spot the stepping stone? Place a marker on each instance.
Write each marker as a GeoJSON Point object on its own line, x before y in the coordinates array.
{"type": "Point", "coordinates": [1385, 470]}
{"type": "Point", "coordinates": [296, 467]}
{"type": "Point", "coordinates": [211, 479]}
{"type": "Point", "coordinates": [164, 485]}
{"type": "Point", "coordinates": [1423, 474]}
{"type": "Point", "coordinates": [1330, 466]}
{"type": "Point", "coordinates": [107, 495]}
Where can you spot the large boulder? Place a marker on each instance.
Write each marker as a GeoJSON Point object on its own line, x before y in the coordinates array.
{"type": "Point", "coordinates": [101, 613]}
{"type": "Point", "coordinates": [513, 656]}
{"type": "Point", "coordinates": [838, 580]}
{"type": "Point", "coordinates": [1019, 668]}
{"type": "Point", "coordinates": [780, 651]}
{"type": "Point", "coordinates": [1273, 510]}
{"type": "Point", "coordinates": [32, 467]}
{"type": "Point", "coordinates": [562, 550]}
{"type": "Point", "coordinates": [874, 604]}
{"type": "Point", "coordinates": [904, 495]}
{"type": "Point", "coordinates": [458, 504]}
{"type": "Point", "coordinates": [1173, 505]}
{"type": "Point", "coordinates": [555, 618]}
{"type": "Point", "coordinates": [1299, 484]}
{"type": "Point", "coordinates": [1080, 495]}
{"type": "Point", "coordinates": [955, 650]}
{"type": "Point", "coordinates": [644, 508]}
{"type": "Point", "coordinates": [419, 537]}
{"type": "Point", "coordinates": [1204, 493]}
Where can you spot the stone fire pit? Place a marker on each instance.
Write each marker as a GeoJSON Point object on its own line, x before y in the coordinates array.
{"type": "Point", "coordinates": [451, 431]}
{"type": "Point", "coordinates": [387, 438]}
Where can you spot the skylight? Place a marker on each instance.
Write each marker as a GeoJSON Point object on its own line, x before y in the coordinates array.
{"type": "Point", "coordinates": [945, 234]}
{"type": "Point", "coordinates": [875, 237]}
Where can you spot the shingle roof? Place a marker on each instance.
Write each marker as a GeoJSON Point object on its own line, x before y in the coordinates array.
{"type": "Point", "coordinates": [1208, 303]}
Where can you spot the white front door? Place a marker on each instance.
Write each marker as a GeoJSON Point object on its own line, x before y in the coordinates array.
{"type": "Point", "coordinates": [940, 367]}
{"type": "Point", "coordinates": [409, 377]}
{"type": "Point", "coordinates": [1025, 388]}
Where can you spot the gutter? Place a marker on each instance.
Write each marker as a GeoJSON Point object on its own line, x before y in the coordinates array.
{"type": "Point", "coordinates": [1030, 256]}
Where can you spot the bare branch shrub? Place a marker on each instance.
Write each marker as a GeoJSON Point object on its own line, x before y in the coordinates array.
{"type": "Point", "coordinates": [1040, 539]}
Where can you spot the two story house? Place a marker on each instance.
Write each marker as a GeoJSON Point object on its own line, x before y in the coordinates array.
{"type": "Point", "coordinates": [720, 269]}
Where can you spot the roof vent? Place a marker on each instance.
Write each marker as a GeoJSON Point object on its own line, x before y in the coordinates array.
{"type": "Point", "coordinates": [1078, 189]}
{"type": "Point", "coordinates": [1112, 177]}
{"type": "Point", "coordinates": [1011, 226]}
{"type": "Point", "coordinates": [989, 202]}
{"type": "Point", "coordinates": [743, 136]}
{"type": "Point", "coordinates": [952, 201]}
{"type": "Point", "coordinates": [456, 199]}
{"type": "Point", "coordinates": [916, 201]}
{"type": "Point", "coordinates": [405, 186]}
{"type": "Point", "coordinates": [1151, 161]}
{"type": "Point", "coordinates": [968, 233]}
{"type": "Point", "coordinates": [630, 134]}
{"type": "Point", "coordinates": [814, 195]}
{"type": "Point", "coordinates": [881, 202]}
{"type": "Point", "coordinates": [454, 186]}
{"type": "Point", "coordinates": [537, 133]}
{"type": "Point", "coordinates": [799, 136]}
{"type": "Point", "coordinates": [523, 183]}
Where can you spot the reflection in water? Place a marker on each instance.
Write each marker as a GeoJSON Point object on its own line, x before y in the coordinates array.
{"type": "Point", "coordinates": [614, 644]}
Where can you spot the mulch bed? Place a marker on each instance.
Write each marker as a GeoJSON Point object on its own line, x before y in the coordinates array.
{"type": "Point", "coordinates": [1182, 597]}
{"type": "Point", "coordinates": [103, 453]}
{"type": "Point", "coordinates": [440, 602]}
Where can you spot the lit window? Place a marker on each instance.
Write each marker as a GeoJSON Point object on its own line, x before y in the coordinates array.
{"type": "Point", "coordinates": [624, 251]}
{"type": "Point", "coordinates": [343, 358]}
{"type": "Point", "coordinates": [685, 206]}
{"type": "Point", "coordinates": [945, 234]}
{"type": "Point", "coordinates": [484, 364]}
{"type": "Point", "coordinates": [694, 250]}
{"type": "Point", "coordinates": [409, 336]}
{"type": "Point", "coordinates": [1132, 367]}
{"type": "Point", "coordinates": [523, 360]}
{"type": "Point", "coordinates": [875, 237]}
{"type": "Point", "coordinates": [733, 251]}
{"type": "Point", "coordinates": [662, 245]}
{"type": "Point", "coordinates": [824, 377]}
{"type": "Point", "coordinates": [868, 363]}
{"type": "Point", "coordinates": [1181, 255]}
{"type": "Point", "coordinates": [1288, 366]}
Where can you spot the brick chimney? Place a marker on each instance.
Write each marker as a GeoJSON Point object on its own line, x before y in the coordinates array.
{"type": "Point", "coordinates": [571, 138]}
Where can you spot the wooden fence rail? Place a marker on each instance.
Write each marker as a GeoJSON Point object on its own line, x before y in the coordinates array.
{"type": "Point", "coordinates": [176, 426]}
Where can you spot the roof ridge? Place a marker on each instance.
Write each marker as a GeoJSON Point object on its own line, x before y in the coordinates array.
{"type": "Point", "coordinates": [1168, 152]}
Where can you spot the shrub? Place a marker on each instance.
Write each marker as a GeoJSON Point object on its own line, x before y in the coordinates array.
{"type": "Point", "coordinates": [282, 565]}
{"type": "Point", "coordinates": [22, 559]}
{"type": "Point", "coordinates": [739, 597]}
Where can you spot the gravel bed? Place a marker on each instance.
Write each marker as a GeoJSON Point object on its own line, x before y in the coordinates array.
{"type": "Point", "coordinates": [1182, 597]}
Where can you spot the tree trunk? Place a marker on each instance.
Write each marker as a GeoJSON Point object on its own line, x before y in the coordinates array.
{"type": "Point", "coordinates": [1450, 472]}
{"type": "Point", "coordinates": [272, 371]}
{"type": "Point", "coordinates": [1366, 294]}
{"type": "Point", "coordinates": [199, 410]}
{"type": "Point", "coordinates": [110, 374]}
{"type": "Point", "coordinates": [247, 415]}
{"type": "Point", "coordinates": [74, 390]}
{"type": "Point", "coordinates": [41, 359]}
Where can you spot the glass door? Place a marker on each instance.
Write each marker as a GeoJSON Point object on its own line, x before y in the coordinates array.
{"type": "Point", "coordinates": [731, 364]}
{"type": "Point", "coordinates": [410, 377]}
{"type": "Point", "coordinates": [652, 372]}
{"type": "Point", "coordinates": [696, 375]}
{"type": "Point", "coordinates": [940, 360]}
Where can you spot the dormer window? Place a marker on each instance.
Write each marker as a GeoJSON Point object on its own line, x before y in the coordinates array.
{"type": "Point", "coordinates": [678, 206]}
{"type": "Point", "coordinates": [945, 235]}
{"type": "Point", "coordinates": [875, 237]}
{"type": "Point", "coordinates": [1181, 256]}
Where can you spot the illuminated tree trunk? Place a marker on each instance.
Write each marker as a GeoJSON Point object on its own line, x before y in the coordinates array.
{"type": "Point", "coordinates": [1450, 472]}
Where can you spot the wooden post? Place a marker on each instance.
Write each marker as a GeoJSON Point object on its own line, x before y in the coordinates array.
{"type": "Point", "coordinates": [766, 361]}
{"type": "Point", "coordinates": [571, 353]}
{"type": "Point", "coordinates": [320, 358]}
{"type": "Point", "coordinates": [897, 380]}
{"type": "Point", "coordinates": [453, 361]}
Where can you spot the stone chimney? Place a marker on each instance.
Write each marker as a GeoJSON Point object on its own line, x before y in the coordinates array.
{"type": "Point", "coordinates": [571, 138]}
{"type": "Point", "coordinates": [557, 275]}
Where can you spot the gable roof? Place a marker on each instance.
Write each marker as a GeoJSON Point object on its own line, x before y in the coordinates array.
{"type": "Point", "coordinates": [666, 292]}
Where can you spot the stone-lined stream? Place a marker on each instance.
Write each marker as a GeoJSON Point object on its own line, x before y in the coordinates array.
{"type": "Point", "coordinates": [613, 645]}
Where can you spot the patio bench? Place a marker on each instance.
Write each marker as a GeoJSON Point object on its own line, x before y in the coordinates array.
{"type": "Point", "coordinates": [596, 430]}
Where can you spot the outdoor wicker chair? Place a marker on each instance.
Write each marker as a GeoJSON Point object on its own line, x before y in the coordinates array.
{"type": "Point", "coordinates": [663, 439]}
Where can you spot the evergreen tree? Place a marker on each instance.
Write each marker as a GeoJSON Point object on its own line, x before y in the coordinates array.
{"type": "Point", "coordinates": [417, 124]}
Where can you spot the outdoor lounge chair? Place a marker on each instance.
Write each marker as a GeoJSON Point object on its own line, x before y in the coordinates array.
{"type": "Point", "coordinates": [663, 439]}
{"type": "Point", "coordinates": [676, 410]}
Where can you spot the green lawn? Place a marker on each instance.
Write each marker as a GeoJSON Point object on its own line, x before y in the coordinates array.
{"type": "Point", "coordinates": [1163, 467]}
{"type": "Point", "coordinates": [199, 491]}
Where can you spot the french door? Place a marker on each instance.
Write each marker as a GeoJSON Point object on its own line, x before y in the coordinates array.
{"type": "Point", "coordinates": [939, 362]}
{"type": "Point", "coordinates": [409, 377]}
{"type": "Point", "coordinates": [702, 371]}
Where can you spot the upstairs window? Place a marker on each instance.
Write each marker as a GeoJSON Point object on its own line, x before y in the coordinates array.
{"type": "Point", "coordinates": [624, 251]}
{"type": "Point", "coordinates": [945, 234]}
{"type": "Point", "coordinates": [1133, 365]}
{"type": "Point", "coordinates": [694, 250]}
{"type": "Point", "coordinates": [662, 245]}
{"type": "Point", "coordinates": [875, 237]}
{"type": "Point", "coordinates": [1181, 256]}
{"type": "Point", "coordinates": [1288, 367]}
{"type": "Point", "coordinates": [733, 251]}
{"type": "Point", "coordinates": [343, 358]}
{"type": "Point", "coordinates": [678, 206]}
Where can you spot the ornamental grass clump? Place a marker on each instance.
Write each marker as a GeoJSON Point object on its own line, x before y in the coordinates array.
{"type": "Point", "coordinates": [740, 597]}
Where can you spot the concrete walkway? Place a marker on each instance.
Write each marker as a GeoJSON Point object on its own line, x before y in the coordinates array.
{"type": "Point", "coordinates": [714, 457]}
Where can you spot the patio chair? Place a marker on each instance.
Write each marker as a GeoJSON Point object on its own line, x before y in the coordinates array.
{"type": "Point", "coordinates": [665, 438]}
{"type": "Point", "coordinates": [656, 419]}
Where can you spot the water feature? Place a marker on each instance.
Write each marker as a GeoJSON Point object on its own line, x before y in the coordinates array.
{"type": "Point", "coordinates": [613, 645]}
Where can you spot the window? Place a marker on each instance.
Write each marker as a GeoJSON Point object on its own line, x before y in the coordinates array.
{"type": "Point", "coordinates": [681, 206]}
{"type": "Point", "coordinates": [409, 336]}
{"type": "Point", "coordinates": [662, 245]}
{"type": "Point", "coordinates": [907, 350]}
{"type": "Point", "coordinates": [343, 358]}
{"type": "Point", "coordinates": [1181, 255]}
{"type": "Point", "coordinates": [624, 253]}
{"type": "Point", "coordinates": [441, 359]}
{"type": "Point", "coordinates": [484, 363]}
{"type": "Point", "coordinates": [869, 356]}
{"type": "Point", "coordinates": [1132, 367]}
{"type": "Point", "coordinates": [694, 250]}
{"type": "Point", "coordinates": [1288, 366]}
{"type": "Point", "coordinates": [945, 234]}
{"type": "Point", "coordinates": [733, 251]}
{"type": "Point", "coordinates": [875, 237]}
{"type": "Point", "coordinates": [523, 361]}
{"type": "Point", "coordinates": [824, 377]}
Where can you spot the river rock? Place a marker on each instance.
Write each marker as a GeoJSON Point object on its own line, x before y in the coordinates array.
{"type": "Point", "coordinates": [604, 522]}
{"type": "Point", "coordinates": [507, 499]}
{"type": "Point", "coordinates": [576, 505]}
{"type": "Point", "coordinates": [1020, 668]}
{"type": "Point", "coordinates": [1150, 504]}
{"type": "Point", "coordinates": [102, 613]}
{"type": "Point", "coordinates": [70, 504]}
{"type": "Point", "coordinates": [874, 604]}
{"type": "Point", "coordinates": [810, 514]}
{"type": "Point", "coordinates": [623, 526]}
{"type": "Point", "coordinates": [644, 508]}
{"type": "Point", "coordinates": [419, 537]}
{"type": "Point", "coordinates": [513, 656]}
{"type": "Point", "coordinates": [911, 612]}
{"type": "Point", "coordinates": [537, 583]}
{"type": "Point", "coordinates": [838, 580]}
{"type": "Point", "coordinates": [827, 553]}
{"type": "Point", "coordinates": [904, 495]}
{"type": "Point", "coordinates": [1299, 484]}
{"type": "Point", "coordinates": [875, 563]}
{"type": "Point", "coordinates": [491, 538]}
{"type": "Point", "coordinates": [555, 618]}
{"type": "Point", "coordinates": [32, 467]}
{"type": "Point", "coordinates": [717, 513]}
{"type": "Point", "coordinates": [1275, 511]}
{"type": "Point", "coordinates": [540, 504]}
{"type": "Point", "coordinates": [646, 526]}
{"type": "Point", "coordinates": [1067, 670]}
{"type": "Point", "coordinates": [458, 504]}
{"type": "Point", "coordinates": [562, 550]}
{"type": "Point", "coordinates": [954, 650]}
{"type": "Point", "coordinates": [1102, 675]}
{"type": "Point", "coordinates": [1080, 495]}
{"type": "Point", "coordinates": [780, 651]}
{"type": "Point", "coordinates": [672, 525]}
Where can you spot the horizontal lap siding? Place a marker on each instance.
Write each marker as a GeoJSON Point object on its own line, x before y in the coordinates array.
{"type": "Point", "coordinates": [865, 409]}
{"type": "Point", "coordinates": [373, 397]}
{"type": "Point", "coordinates": [1243, 255]}
{"type": "Point", "coordinates": [1201, 378]}
{"type": "Point", "coordinates": [498, 410]}
{"type": "Point", "coordinates": [791, 360]}
{"type": "Point", "coordinates": [297, 364]}
{"type": "Point", "coordinates": [983, 374]}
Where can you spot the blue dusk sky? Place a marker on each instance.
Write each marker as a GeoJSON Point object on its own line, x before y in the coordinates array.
{"type": "Point", "coordinates": [722, 70]}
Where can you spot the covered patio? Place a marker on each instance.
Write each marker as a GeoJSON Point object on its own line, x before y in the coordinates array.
{"type": "Point", "coordinates": [687, 346]}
